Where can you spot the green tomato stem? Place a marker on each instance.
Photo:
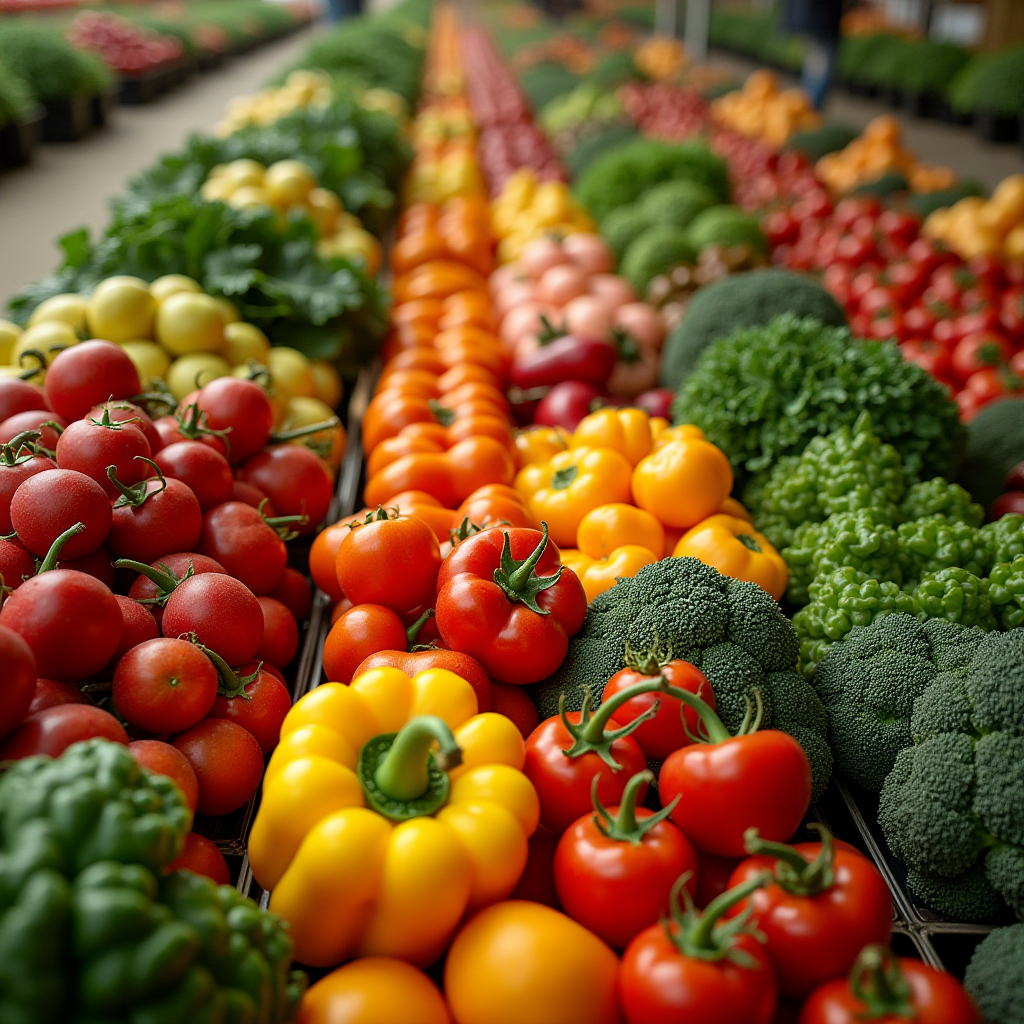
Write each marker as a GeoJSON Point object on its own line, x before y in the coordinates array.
{"type": "Point", "coordinates": [793, 871]}
{"type": "Point", "coordinates": [53, 555]}
{"type": "Point", "coordinates": [877, 981]}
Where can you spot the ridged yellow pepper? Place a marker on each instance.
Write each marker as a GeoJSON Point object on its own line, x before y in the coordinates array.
{"type": "Point", "coordinates": [682, 482]}
{"type": "Point", "coordinates": [607, 527]}
{"type": "Point", "coordinates": [684, 432]}
{"type": "Point", "coordinates": [372, 842]}
{"type": "Point", "coordinates": [562, 491]}
{"type": "Point", "coordinates": [600, 574]}
{"type": "Point", "coordinates": [627, 431]}
{"type": "Point", "coordinates": [539, 444]}
{"type": "Point", "coordinates": [733, 547]}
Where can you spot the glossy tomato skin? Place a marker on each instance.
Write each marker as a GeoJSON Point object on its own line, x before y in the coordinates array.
{"type": "Point", "coordinates": [47, 504]}
{"type": "Point", "coordinates": [293, 591]}
{"type": "Point", "coordinates": [49, 693]}
{"type": "Point", "coordinates": [280, 641]}
{"type": "Point", "coordinates": [164, 759]}
{"type": "Point", "coordinates": [89, 447]}
{"type": "Point", "coordinates": [168, 520]}
{"type": "Point", "coordinates": [164, 685]}
{"type": "Point", "coordinates": [88, 374]}
{"type": "Point", "coordinates": [71, 621]}
{"type": "Point", "coordinates": [663, 733]}
{"type": "Point", "coordinates": [201, 856]}
{"type": "Point", "coordinates": [261, 711]}
{"type": "Point", "coordinates": [762, 781]}
{"type": "Point", "coordinates": [16, 563]}
{"type": "Point", "coordinates": [17, 679]}
{"type": "Point", "coordinates": [144, 589]}
{"type": "Point", "coordinates": [811, 939]}
{"type": "Point", "coordinates": [138, 627]}
{"type": "Point", "coordinates": [657, 985]}
{"type": "Point", "coordinates": [222, 612]}
{"type": "Point", "coordinates": [393, 562]}
{"type": "Point", "coordinates": [938, 998]}
{"type": "Point", "coordinates": [122, 411]}
{"type": "Point", "coordinates": [227, 761]}
{"type": "Point", "coordinates": [52, 731]}
{"type": "Point", "coordinates": [11, 478]}
{"type": "Point", "coordinates": [295, 480]}
{"type": "Point", "coordinates": [18, 395]}
{"type": "Point", "coordinates": [237, 536]}
{"type": "Point", "coordinates": [33, 419]}
{"type": "Point", "coordinates": [362, 630]}
{"type": "Point", "coordinates": [241, 407]}
{"type": "Point", "coordinates": [617, 888]}
{"type": "Point", "coordinates": [563, 784]}
{"type": "Point", "coordinates": [206, 472]}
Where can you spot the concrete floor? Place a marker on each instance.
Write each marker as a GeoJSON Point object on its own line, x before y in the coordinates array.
{"type": "Point", "coordinates": [67, 186]}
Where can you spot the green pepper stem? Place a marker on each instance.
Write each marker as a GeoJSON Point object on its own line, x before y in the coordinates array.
{"type": "Point", "coordinates": [402, 775]}
{"type": "Point", "coordinates": [793, 872]}
{"type": "Point", "coordinates": [53, 555]}
{"type": "Point", "coordinates": [877, 981]}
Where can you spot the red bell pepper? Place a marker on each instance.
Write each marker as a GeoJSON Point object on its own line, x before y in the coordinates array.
{"type": "Point", "coordinates": [590, 360]}
{"type": "Point", "coordinates": [505, 599]}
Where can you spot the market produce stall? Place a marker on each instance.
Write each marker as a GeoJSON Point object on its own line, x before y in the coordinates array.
{"type": "Point", "coordinates": [501, 531]}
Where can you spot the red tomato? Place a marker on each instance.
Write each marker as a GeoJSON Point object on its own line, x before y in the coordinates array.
{"type": "Point", "coordinates": [615, 868]}
{"type": "Point", "coordinates": [88, 374]}
{"type": "Point", "coordinates": [18, 395]}
{"type": "Point", "coordinates": [242, 409]}
{"type": "Point", "coordinates": [825, 904]}
{"type": "Point", "coordinates": [978, 351]}
{"type": "Point", "coordinates": [170, 570]}
{"type": "Point", "coordinates": [261, 711]}
{"type": "Point", "coordinates": [205, 471]}
{"type": "Point", "coordinates": [280, 641]}
{"type": "Point", "coordinates": [52, 731]}
{"type": "Point", "coordinates": [202, 856]}
{"type": "Point", "coordinates": [713, 874]}
{"type": "Point", "coordinates": [930, 356]}
{"type": "Point", "coordinates": [537, 882]}
{"type": "Point", "coordinates": [98, 564]}
{"type": "Point", "coordinates": [17, 466]}
{"type": "Point", "coordinates": [295, 480]}
{"type": "Point", "coordinates": [92, 446]}
{"type": "Point", "coordinates": [360, 631]}
{"type": "Point", "coordinates": [919, 321]}
{"type": "Point", "coordinates": [122, 411]}
{"type": "Point", "coordinates": [138, 627]}
{"type": "Point", "coordinates": [246, 544]}
{"type": "Point", "coordinates": [16, 563]}
{"type": "Point", "coordinates": [164, 685]}
{"type": "Point", "coordinates": [988, 385]}
{"type": "Point", "coordinates": [17, 679]}
{"type": "Point", "coordinates": [46, 505]}
{"type": "Point", "coordinates": [908, 989]}
{"type": "Point", "coordinates": [227, 761]}
{"type": "Point", "coordinates": [49, 693]}
{"type": "Point", "coordinates": [659, 735]}
{"type": "Point", "coordinates": [153, 519]}
{"type": "Point", "coordinates": [513, 702]}
{"type": "Point", "coordinates": [163, 759]}
{"type": "Point", "coordinates": [34, 419]}
{"type": "Point", "coordinates": [294, 592]}
{"type": "Point", "coordinates": [389, 560]}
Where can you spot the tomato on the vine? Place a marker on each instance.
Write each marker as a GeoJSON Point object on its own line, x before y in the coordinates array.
{"type": "Point", "coordinates": [260, 710]}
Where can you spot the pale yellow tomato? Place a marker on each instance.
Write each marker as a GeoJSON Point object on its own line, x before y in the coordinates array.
{"type": "Point", "coordinates": [249, 197]}
{"type": "Point", "coordinates": [329, 443]}
{"type": "Point", "coordinates": [288, 183]}
{"type": "Point", "coordinates": [47, 338]}
{"type": "Point", "coordinates": [242, 173]}
{"type": "Point", "coordinates": [228, 310]}
{"type": "Point", "coordinates": [327, 382]}
{"type": "Point", "coordinates": [325, 209]}
{"type": "Point", "coordinates": [9, 334]}
{"type": "Point", "coordinates": [291, 373]}
{"type": "Point", "coordinates": [171, 284]}
{"type": "Point", "coordinates": [69, 308]}
{"type": "Point", "coordinates": [193, 370]}
{"type": "Point", "coordinates": [120, 309]}
{"type": "Point", "coordinates": [243, 342]}
{"type": "Point", "coordinates": [187, 322]}
{"type": "Point", "coordinates": [217, 190]}
{"type": "Point", "coordinates": [150, 359]}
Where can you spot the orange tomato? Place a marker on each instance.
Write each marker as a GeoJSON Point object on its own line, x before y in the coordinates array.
{"type": "Point", "coordinates": [392, 448]}
{"type": "Point", "coordinates": [499, 363]}
{"type": "Point", "coordinates": [437, 279]}
{"type": "Point", "coordinates": [416, 248]}
{"type": "Point", "coordinates": [428, 310]}
{"type": "Point", "coordinates": [323, 555]}
{"type": "Point", "coordinates": [414, 359]}
{"type": "Point", "coordinates": [475, 390]}
{"type": "Point", "coordinates": [410, 382]}
{"type": "Point", "coordinates": [481, 426]}
{"type": "Point", "coordinates": [434, 431]}
{"type": "Point", "coordinates": [464, 374]}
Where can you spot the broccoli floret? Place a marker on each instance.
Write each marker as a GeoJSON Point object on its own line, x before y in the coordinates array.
{"type": "Point", "coordinates": [847, 470]}
{"type": "Point", "coordinates": [995, 975]}
{"type": "Point", "coordinates": [727, 226]}
{"type": "Point", "coordinates": [839, 601]}
{"type": "Point", "coordinates": [934, 543]}
{"type": "Point", "coordinates": [1005, 537]}
{"type": "Point", "coordinates": [622, 175]}
{"type": "Point", "coordinates": [868, 683]}
{"type": "Point", "coordinates": [955, 595]}
{"type": "Point", "coordinates": [732, 630]}
{"type": "Point", "coordinates": [955, 800]}
{"type": "Point", "coordinates": [939, 497]}
{"type": "Point", "coordinates": [1006, 592]}
{"type": "Point", "coordinates": [656, 250]}
{"type": "Point", "coordinates": [750, 299]}
{"type": "Point", "coordinates": [764, 392]}
{"type": "Point", "coordinates": [623, 226]}
{"type": "Point", "coordinates": [675, 202]}
{"type": "Point", "coordinates": [968, 897]}
{"type": "Point", "coordinates": [864, 540]}
{"type": "Point", "coordinates": [995, 444]}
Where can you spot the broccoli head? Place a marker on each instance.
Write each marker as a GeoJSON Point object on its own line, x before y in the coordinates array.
{"type": "Point", "coordinates": [623, 226]}
{"type": "Point", "coordinates": [839, 601]}
{"type": "Point", "coordinates": [955, 800]}
{"type": "Point", "coordinates": [727, 226]}
{"type": "Point", "coordinates": [934, 543]}
{"type": "Point", "coordinates": [1006, 592]}
{"type": "Point", "coordinates": [675, 202]}
{"type": "Point", "coordinates": [955, 595]}
{"type": "Point", "coordinates": [939, 497]}
{"type": "Point", "coordinates": [764, 392]}
{"type": "Point", "coordinates": [1005, 537]}
{"type": "Point", "coordinates": [656, 250]}
{"type": "Point", "coordinates": [844, 471]}
{"type": "Point", "coordinates": [868, 683]}
{"type": "Point", "coordinates": [995, 444]}
{"type": "Point", "coordinates": [730, 629]}
{"type": "Point", "coordinates": [995, 975]}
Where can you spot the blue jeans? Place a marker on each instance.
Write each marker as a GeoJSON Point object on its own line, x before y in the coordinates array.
{"type": "Point", "coordinates": [819, 67]}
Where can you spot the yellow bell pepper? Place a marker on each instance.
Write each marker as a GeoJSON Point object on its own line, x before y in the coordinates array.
{"type": "Point", "coordinates": [539, 444]}
{"type": "Point", "coordinates": [625, 430]}
{"type": "Point", "coordinates": [562, 491]}
{"type": "Point", "coordinates": [734, 548]}
{"type": "Point", "coordinates": [608, 527]}
{"type": "Point", "coordinates": [731, 507]}
{"type": "Point", "coordinates": [684, 432]}
{"type": "Point", "coordinates": [682, 482]}
{"type": "Point", "coordinates": [376, 844]}
{"type": "Point", "coordinates": [600, 574]}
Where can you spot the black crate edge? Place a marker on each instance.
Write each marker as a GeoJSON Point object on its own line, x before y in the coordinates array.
{"type": "Point", "coordinates": [19, 139]}
{"type": "Point", "coordinates": [68, 118]}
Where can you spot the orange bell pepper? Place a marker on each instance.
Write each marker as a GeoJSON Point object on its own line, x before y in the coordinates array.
{"type": "Point", "coordinates": [682, 482]}
{"type": "Point", "coordinates": [600, 574]}
{"type": "Point", "coordinates": [608, 527]}
{"type": "Point", "coordinates": [734, 548]}
{"type": "Point", "coordinates": [449, 476]}
{"type": "Point", "coordinates": [684, 432]}
{"type": "Point", "coordinates": [625, 430]}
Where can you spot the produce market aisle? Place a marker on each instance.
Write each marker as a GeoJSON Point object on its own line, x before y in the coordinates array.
{"type": "Point", "coordinates": [68, 185]}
